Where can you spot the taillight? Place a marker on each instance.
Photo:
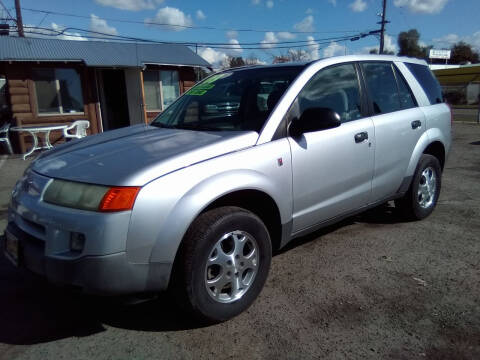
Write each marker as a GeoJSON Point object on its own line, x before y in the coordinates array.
{"type": "Point", "coordinates": [119, 199]}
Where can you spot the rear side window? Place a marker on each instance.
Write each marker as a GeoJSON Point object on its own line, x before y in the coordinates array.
{"type": "Point", "coordinates": [407, 101]}
{"type": "Point", "coordinates": [428, 82]}
{"type": "Point", "coordinates": [382, 87]}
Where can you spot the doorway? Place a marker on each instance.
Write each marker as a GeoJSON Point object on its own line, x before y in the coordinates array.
{"type": "Point", "coordinates": [113, 99]}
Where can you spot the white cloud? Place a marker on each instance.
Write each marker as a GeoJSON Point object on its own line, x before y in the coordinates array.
{"type": "Point", "coordinates": [214, 57]}
{"type": "Point", "coordinates": [422, 6]}
{"type": "Point", "coordinates": [285, 35]}
{"type": "Point", "coordinates": [270, 4]}
{"type": "Point", "coordinates": [358, 6]}
{"type": "Point", "coordinates": [449, 40]}
{"type": "Point", "coordinates": [333, 2]}
{"type": "Point", "coordinates": [305, 25]}
{"type": "Point", "coordinates": [255, 2]}
{"type": "Point", "coordinates": [67, 35]}
{"type": "Point", "coordinates": [200, 15]}
{"type": "Point", "coordinates": [334, 49]}
{"type": "Point", "coordinates": [100, 25]}
{"type": "Point", "coordinates": [171, 19]}
{"type": "Point", "coordinates": [313, 48]}
{"type": "Point", "coordinates": [390, 44]}
{"type": "Point", "coordinates": [474, 40]}
{"type": "Point", "coordinates": [269, 41]}
{"type": "Point", "coordinates": [132, 5]}
{"type": "Point", "coordinates": [232, 34]}
{"type": "Point", "coordinates": [234, 49]}
{"type": "Point", "coordinates": [309, 11]}
{"type": "Point", "coordinates": [271, 38]}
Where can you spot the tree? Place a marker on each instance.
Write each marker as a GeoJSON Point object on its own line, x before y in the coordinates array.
{"type": "Point", "coordinates": [409, 46]}
{"type": "Point", "coordinates": [463, 53]}
{"type": "Point", "coordinates": [236, 62]}
{"type": "Point", "coordinates": [291, 56]}
{"type": "Point", "coordinates": [385, 52]}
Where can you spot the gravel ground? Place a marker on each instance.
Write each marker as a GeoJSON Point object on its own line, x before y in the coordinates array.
{"type": "Point", "coordinates": [370, 287]}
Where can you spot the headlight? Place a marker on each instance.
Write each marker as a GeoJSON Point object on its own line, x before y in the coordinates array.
{"type": "Point", "coordinates": [90, 197]}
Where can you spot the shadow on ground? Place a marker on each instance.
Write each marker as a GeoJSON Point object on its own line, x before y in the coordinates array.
{"type": "Point", "coordinates": [33, 311]}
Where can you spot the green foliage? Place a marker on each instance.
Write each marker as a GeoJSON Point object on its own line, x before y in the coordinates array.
{"type": "Point", "coordinates": [463, 53]}
{"type": "Point", "coordinates": [236, 62]}
{"type": "Point", "coordinates": [409, 46]}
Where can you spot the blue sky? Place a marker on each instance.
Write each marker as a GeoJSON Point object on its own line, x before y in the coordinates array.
{"type": "Point", "coordinates": [440, 22]}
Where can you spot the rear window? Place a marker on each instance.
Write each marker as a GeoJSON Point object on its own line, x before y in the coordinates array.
{"type": "Point", "coordinates": [428, 82]}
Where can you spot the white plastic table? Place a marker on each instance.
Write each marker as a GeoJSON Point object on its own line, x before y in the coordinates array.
{"type": "Point", "coordinates": [35, 131]}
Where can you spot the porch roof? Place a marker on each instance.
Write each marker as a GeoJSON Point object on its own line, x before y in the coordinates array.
{"type": "Point", "coordinates": [97, 53]}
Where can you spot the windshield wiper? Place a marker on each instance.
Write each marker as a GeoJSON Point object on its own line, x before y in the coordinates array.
{"type": "Point", "coordinates": [161, 125]}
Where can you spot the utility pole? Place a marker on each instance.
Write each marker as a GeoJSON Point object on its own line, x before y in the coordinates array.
{"type": "Point", "coordinates": [18, 9]}
{"type": "Point", "coordinates": [382, 30]}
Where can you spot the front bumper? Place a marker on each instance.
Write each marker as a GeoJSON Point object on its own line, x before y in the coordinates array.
{"type": "Point", "coordinates": [109, 274]}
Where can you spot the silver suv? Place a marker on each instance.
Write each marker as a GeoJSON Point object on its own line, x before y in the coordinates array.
{"type": "Point", "coordinates": [237, 167]}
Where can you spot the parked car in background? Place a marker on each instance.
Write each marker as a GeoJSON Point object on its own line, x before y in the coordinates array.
{"type": "Point", "coordinates": [197, 201]}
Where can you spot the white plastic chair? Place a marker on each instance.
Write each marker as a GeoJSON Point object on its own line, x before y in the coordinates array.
{"type": "Point", "coordinates": [4, 136]}
{"type": "Point", "coordinates": [80, 127]}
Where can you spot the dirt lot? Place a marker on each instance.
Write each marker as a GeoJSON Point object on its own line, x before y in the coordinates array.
{"type": "Point", "coordinates": [370, 287]}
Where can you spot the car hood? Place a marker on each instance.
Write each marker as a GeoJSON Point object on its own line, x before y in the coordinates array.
{"type": "Point", "coordinates": [135, 155]}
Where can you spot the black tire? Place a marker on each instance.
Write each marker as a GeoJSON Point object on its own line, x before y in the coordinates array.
{"type": "Point", "coordinates": [190, 271]}
{"type": "Point", "coordinates": [409, 206]}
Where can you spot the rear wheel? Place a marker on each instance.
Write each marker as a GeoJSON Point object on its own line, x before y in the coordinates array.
{"type": "Point", "coordinates": [223, 263]}
{"type": "Point", "coordinates": [422, 196]}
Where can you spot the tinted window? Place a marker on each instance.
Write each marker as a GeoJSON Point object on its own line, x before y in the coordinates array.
{"type": "Point", "coordinates": [407, 100]}
{"type": "Point", "coordinates": [335, 88]}
{"type": "Point", "coordinates": [231, 100]}
{"type": "Point", "coordinates": [428, 82]}
{"type": "Point", "coordinates": [382, 87]}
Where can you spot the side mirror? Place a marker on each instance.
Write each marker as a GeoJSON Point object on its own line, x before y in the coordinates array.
{"type": "Point", "coordinates": [314, 119]}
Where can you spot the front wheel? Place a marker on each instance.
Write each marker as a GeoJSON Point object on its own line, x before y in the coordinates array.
{"type": "Point", "coordinates": [223, 263]}
{"type": "Point", "coordinates": [422, 196]}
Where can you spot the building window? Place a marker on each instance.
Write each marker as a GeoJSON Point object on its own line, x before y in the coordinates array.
{"type": "Point", "coordinates": [59, 91]}
{"type": "Point", "coordinates": [161, 88]}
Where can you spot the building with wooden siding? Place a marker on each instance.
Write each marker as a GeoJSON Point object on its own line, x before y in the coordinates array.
{"type": "Point", "coordinates": [111, 84]}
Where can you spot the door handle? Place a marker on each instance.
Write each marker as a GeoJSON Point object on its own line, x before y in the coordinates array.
{"type": "Point", "coordinates": [416, 124]}
{"type": "Point", "coordinates": [360, 137]}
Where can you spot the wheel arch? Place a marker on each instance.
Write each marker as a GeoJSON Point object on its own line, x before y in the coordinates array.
{"type": "Point", "coordinates": [259, 203]}
{"type": "Point", "coordinates": [436, 149]}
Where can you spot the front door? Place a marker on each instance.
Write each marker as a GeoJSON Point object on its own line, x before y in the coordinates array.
{"type": "Point", "coordinates": [332, 169]}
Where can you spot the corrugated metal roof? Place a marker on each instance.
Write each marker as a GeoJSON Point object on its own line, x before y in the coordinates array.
{"type": "Point", "coordinates": [97, 53]}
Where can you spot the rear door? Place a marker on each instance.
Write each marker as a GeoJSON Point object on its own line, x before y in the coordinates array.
{"type": "Point", "coordinates": [399, 123]}
{"type": "Point", "coordinates": [333, 168]}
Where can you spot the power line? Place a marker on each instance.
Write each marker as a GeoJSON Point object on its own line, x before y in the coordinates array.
{"type": "Point", "coordinates": [247, 45]}
{"type": "Point", "coordinates": [10, 17]}
{"type": "Point", "coordinates": [185, 26]}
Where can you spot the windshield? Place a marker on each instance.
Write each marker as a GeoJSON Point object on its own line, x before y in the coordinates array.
{"type": "Point", "coordinates": [235, 100]}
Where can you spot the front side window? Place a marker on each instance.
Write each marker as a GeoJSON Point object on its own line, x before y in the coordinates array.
{"type": "Point", "coordinates": [58, 91]}
{"type": "Point", "coordinates": [382, 87]}
{"type": "Point", "coordinates": [335, 88]}
{"type": "Point", "coordinates": [162, 88]}
{"type": "Point", "coordinates": [233, 100]}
